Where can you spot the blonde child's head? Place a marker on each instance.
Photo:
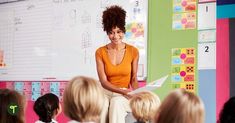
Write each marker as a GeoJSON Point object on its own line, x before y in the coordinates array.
{"type": "Point", "coordinates": [181, 106]}
{"type": "Point", "coordinates": [144, 105]}
{"type": "Point", "coordinates": [83, 99]}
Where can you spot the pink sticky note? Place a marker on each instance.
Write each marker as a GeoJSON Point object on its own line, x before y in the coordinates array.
{"type": "Point", "coordinates": [28, 95]}
{"type": "Point", "coordinates": [27, 86]}
{"type": "Point", "coordinates": [45, 86]}
{"type": "Point", "coordinates": [10, 85]}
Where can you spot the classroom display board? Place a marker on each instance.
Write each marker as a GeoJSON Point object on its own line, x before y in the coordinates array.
{"type": "Point", "coordinates": [173, 42]}
{"type": "Point", "coordinates": [55, 40]}
{"type": "Point", "coordinates": [183, 69]}
{"type": "Point", "coordinates": [184, 14]}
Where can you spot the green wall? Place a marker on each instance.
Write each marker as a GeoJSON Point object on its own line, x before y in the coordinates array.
{"type": "Point", "coordinates": [161, 39]}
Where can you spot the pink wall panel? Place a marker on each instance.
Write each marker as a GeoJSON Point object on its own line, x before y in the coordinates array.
{"type": "Point", "coordinates": [222, 63]}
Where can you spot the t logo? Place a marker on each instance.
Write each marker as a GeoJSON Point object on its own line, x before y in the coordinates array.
{"type": "Point", "coordinates": [13, 109]}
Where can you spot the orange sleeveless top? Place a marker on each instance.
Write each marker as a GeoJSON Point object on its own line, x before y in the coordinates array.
{"type": "Point", "coordinates": [118, 75]}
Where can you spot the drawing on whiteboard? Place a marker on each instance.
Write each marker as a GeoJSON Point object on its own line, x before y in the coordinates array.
{"type": "Point", "coordinates": [73, 17]}
{"type": "Point", "coordinates": [136, 12]}
{"type": "Point", "coordinates": [98, 21]}
{"type": "Point", "coordinates": [17, 21]}
{"type": "Point", "coordinates": [64, 17]}
{"type": "Point", "coordinates": [30, 7]}
{"type": "Point", "coordinates": [86, 39]}
{"type": "Point", "coordinates": [86, 17]}
{"type": "Point", "coordinates": [86, 43]}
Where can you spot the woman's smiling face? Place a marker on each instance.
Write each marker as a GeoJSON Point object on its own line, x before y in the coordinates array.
{"type": "Point", "coordinates": [116, 35]}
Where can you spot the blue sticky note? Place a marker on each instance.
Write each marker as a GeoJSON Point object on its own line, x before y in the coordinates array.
{"type": "Point", "coordinates": [36, 86]}
{"type": "Point", "coordinates": [177, 25]}
{"type": "Point", "coordinates": [54, 87]}
{"type": "Point", "coordinates": [176, 61]}
{"type": "Point", "coordinates": [35, 95]}
{"type": "Point", "coordinates": [176, 78]}
{"type": "Point", "coordinates": [178, 9]}
{"type": "Point", "coordinates": [128, 34]}
{"type": "Point", "coordinates": [19, 86]}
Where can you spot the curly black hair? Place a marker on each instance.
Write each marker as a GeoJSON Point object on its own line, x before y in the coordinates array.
{"type": "Point", "coordinates": [114, 16]}
{"type": "Point", "coordinates": [227, 114]}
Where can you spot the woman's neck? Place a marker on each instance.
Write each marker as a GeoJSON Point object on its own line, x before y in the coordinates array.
{"type": "Point", "coordinates": [117, 47]}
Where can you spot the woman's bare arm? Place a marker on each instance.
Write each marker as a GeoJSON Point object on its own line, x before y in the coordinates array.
{"type": "Point", "coordinates": [134, 81]}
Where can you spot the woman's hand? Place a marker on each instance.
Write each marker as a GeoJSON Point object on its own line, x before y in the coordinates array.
{"type": "Point", "coordinates": [126, 95]}
{"type": "Point", "coordinates": [134, 85]}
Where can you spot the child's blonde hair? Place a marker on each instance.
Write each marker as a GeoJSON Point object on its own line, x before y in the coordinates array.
{"type": "Point", "coordinates": [83, 99]}
{"type": "Point", "coordinates": [181, 106]}
{"type": "Point", "coordinates": [144, 106]}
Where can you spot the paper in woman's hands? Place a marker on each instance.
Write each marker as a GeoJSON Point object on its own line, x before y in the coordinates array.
{"type": "Point", "coordinates": [150, 86]}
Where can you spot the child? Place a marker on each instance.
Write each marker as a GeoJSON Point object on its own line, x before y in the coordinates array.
{"type": "Point", "coordinates": [47, 107]}
{"type": "Point", "coordinates": [14, 114]}
{"type": "Point", "coordinates": [227, 114]}
{"type": "Point", "coordinates": [83, 100]}
{"type": "Point", "coordinates": [181, 106]}
{"type": "Point", "coordinates": [144, 106]}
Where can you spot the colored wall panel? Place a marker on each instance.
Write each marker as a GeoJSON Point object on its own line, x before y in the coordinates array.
{"type": "Point", "coordinates": [222, 63]}
{"type": "Point", "coordinates": [226, 11]}
{"type": "Point", "coordinates": [207, 92]}
{"type": "Point", "coordinates": [232, 55]}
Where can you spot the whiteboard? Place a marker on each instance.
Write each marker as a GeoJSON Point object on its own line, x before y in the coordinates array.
{"type": "Point", "coordinates": [57, 39]}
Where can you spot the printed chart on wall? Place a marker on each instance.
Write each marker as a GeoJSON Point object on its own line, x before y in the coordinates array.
{"type": "Point", "coordinates": [183, 69]}
{"type": "Point", "coordinates": [184, 14]}
{"type": "Point", "coordinates": [54, 40]}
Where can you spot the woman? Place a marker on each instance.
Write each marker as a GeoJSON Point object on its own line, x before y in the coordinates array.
{"type": "Point", "coordinates": [181, 106]}
{"type": "Point", "coordinates": [116, 65]}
